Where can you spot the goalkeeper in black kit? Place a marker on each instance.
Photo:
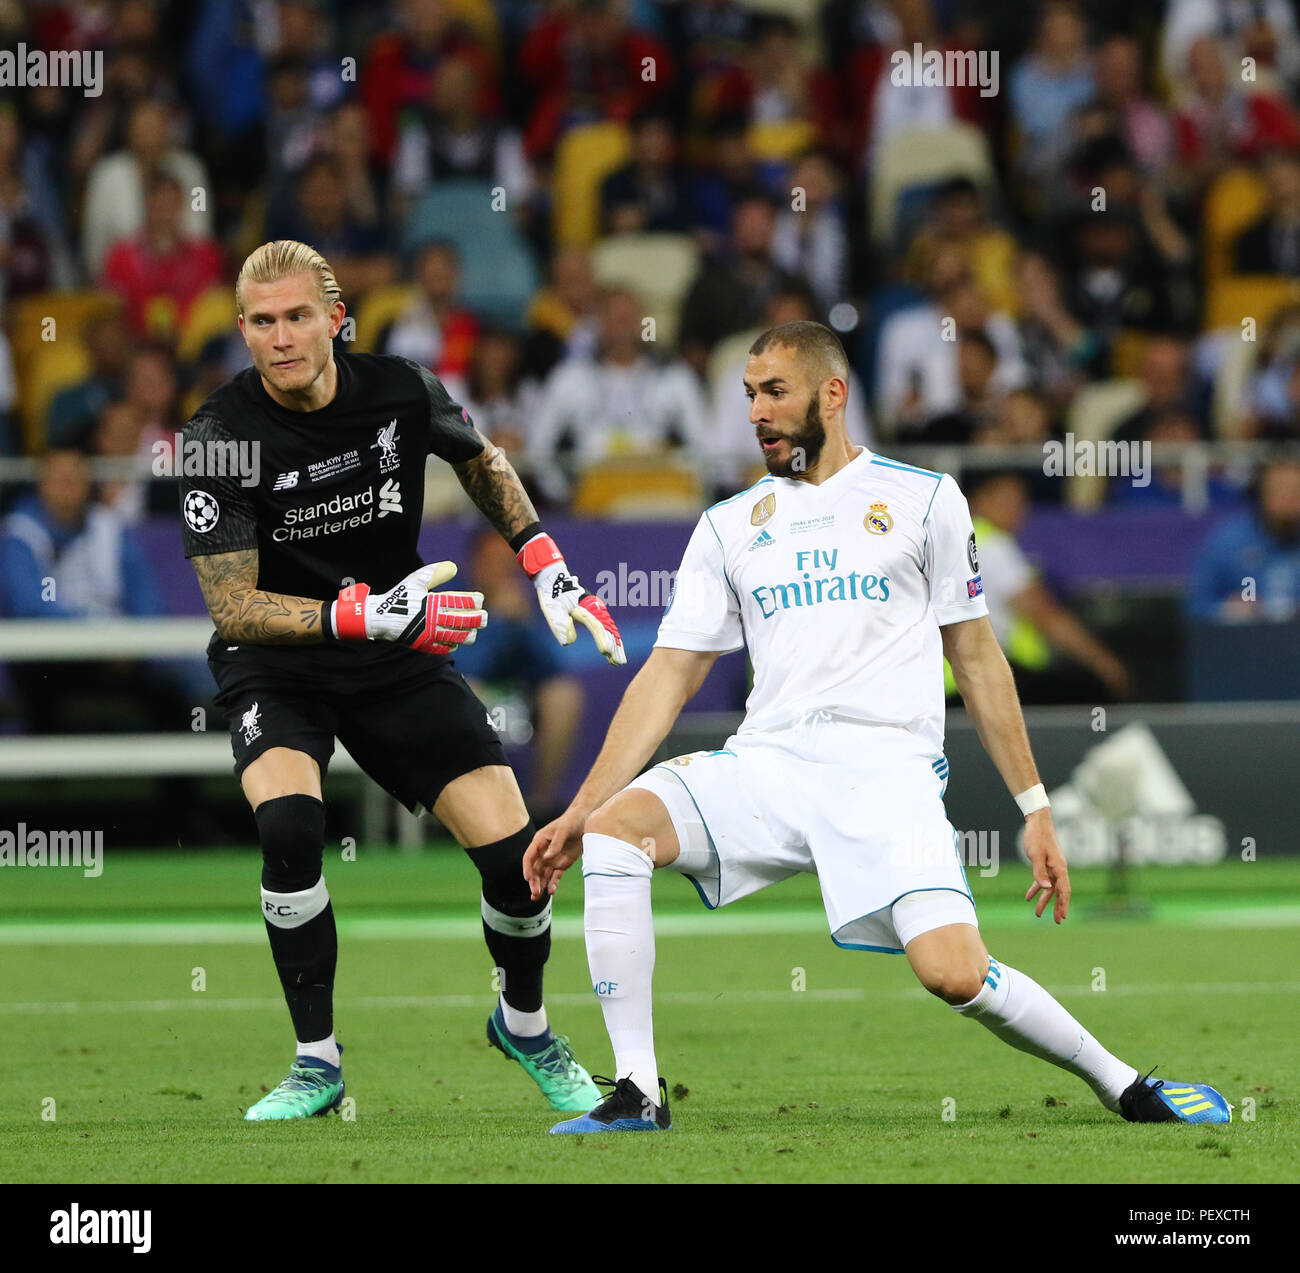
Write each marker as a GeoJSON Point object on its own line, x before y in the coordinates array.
{"type": "Point", "coordinates": [328, 626]}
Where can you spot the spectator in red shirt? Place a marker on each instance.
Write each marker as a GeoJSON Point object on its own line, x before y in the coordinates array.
{"type": "Point", "coordinates": [588, 65]}
{"type": "Point", "coordinates": [1219, 121]}
{"type": "Point", "coordinates": [435, 330]}
{"type": "Point", "coordinates": [159, 272]}
{"type": "Point", "coordinates": [402, 64]}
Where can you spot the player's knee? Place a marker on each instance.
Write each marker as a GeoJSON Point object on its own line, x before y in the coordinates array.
{"type": "Point", "coordinates": [500, 865]}
{"type": "Point", "coordinates": [291, 830]}
{"type": "Point", "coordinates": [955, 982]}
{"type": "Point", "coordinates": [629, 816]}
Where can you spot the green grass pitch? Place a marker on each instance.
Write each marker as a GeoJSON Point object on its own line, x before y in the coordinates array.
{"type": "Point", "coordinates": [118, 1069]}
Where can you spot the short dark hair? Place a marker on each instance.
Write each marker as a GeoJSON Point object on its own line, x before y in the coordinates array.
{"type": "Point", "coordinates": [956, 186]}
{"type": "Point", "coordinates": [814, 344]}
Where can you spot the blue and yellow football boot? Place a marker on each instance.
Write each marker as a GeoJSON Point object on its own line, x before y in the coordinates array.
{"type": "Point", "coordinates": [1148, 1100]}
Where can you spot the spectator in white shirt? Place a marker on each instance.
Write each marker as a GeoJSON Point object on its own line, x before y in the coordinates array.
{"type": "Point", "coordinates": [810, 240]}
{"type": "Point", "coordinates": [1263, 29]}
{"type": "Point", "coordinates": [919, 374]}
{"type": "Point", "coordinates": [114, 204]}
{"type": "Point", "coordinates": [622, 402]}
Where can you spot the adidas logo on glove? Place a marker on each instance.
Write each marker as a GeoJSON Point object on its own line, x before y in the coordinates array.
{"type": "Point", "coordinates": [395, 601]}
{"type": "Point", "coordinates": [564, 583]}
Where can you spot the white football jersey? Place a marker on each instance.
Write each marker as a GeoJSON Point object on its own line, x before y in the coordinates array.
{"type": "Point", "coordinates": [838, 590]}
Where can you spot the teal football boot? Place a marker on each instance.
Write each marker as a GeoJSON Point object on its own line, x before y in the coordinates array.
{"type": "Point", "coordinates": [549, 1062]}
{"type": "Point", "coordinates": [312, 1087]}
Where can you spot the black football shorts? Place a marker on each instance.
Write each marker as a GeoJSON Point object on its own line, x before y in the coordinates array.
{"type": "Point", "coordinates": [413, 728]}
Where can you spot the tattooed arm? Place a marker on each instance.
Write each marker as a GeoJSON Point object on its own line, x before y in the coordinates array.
{"type": "Point", "coordinates": [494, 486]}
{"type": "Point", "coordinates": [491, 482]}
{"type": "Point", "coordinates": [243, 613]}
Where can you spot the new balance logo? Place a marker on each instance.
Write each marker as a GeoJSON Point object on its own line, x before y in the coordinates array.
{"type": "Point", "coordinates": [286, 481]}
{"type": "Point", "coordinates": [765, 540]}
{"type": "Point", "coordinates": [390, 498]}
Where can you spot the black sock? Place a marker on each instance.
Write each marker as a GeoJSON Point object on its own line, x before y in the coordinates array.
{"type": "Point", "coordinates": [299, 915]}
{"type": "Point", "coordinates": [306, 958]}
{"type": "Point", "coordinates": [516, 928]}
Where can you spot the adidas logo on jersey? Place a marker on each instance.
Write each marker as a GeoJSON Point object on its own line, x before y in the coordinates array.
{"type": "Point", "coordinates": [765, 540]}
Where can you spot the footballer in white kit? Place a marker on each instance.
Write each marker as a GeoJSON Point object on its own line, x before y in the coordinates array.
{"type": "Point", "coordinates": [849, 577]}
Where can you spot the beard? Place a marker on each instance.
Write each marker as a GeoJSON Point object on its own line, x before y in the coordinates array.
{"type": "Point", "coordinates": [805, 444]}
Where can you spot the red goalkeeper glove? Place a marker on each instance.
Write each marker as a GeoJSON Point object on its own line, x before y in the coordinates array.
{"type": "Point", "coordinates": [435, 622]}
{"type": "Point", "coordinates": [564, 601]}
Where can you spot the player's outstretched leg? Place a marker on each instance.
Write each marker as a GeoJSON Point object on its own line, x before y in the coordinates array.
{"type": "Point", "coordinates": [518, 935]}
{"type": "Point", "coordinates": [619, 929]}
{"type": "Point", "coordinates": [952, 963]}
{"type": "Point", "coordinates": [304, 944]}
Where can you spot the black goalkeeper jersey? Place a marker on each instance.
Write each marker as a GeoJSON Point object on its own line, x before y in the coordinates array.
{"type": "Point", "coordinates": [331, 497]}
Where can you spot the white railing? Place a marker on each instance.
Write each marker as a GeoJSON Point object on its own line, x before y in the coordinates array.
{"type": "Point", "coordinates": [1194, 460]}
{"type": "Point", "coordinates": [27, 640]}
{"type": "Point", "coordinates": [29, 759]}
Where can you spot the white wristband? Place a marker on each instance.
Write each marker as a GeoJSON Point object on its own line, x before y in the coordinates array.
{"type": "Point", "coordinates": [1034, 799]}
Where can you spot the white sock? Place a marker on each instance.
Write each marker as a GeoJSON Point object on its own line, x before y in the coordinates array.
{"type": "Point", "coordinates": [1020, 1012]}
{"type": "Point", "coordinates": [620, 936]}
{"type": "Point", "coordinates": [524, 1025]}
{"type": "Point", "coordinates": [323, 1049]}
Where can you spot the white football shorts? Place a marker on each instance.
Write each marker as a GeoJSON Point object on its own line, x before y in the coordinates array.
{"type": "Point", "coordinates": [860, 806]}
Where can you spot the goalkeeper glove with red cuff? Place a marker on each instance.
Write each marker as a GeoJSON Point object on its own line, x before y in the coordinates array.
{"type": "Point", "coordinates": [564, 601]}
{"type": "Point", "coordinates": [434, 622]}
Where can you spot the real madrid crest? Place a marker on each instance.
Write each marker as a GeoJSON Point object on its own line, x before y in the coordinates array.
{"type": "Point", "coordinates": [763, 510]}
{"type": "Point", "coordinates": [879, 520]}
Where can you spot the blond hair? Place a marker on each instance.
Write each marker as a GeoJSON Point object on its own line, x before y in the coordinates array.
{"type": "Point", "coordinates": [279, 260]}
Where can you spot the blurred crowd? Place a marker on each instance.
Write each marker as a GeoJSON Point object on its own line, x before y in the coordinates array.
{"type": "Point", "coordinates": [579, 213]}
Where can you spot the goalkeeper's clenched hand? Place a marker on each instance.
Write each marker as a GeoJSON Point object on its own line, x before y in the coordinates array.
{"type": "Point", "coordinates": [564, 601]}
{"type": "Point", "coordinates": [435, 622]}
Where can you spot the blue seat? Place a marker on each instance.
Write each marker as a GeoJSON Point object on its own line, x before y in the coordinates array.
{"type": "Point", "coordinates": [499, 275]}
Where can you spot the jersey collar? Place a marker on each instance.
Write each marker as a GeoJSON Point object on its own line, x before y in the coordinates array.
{"type": "Point", "coordinates": [855, 465]}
